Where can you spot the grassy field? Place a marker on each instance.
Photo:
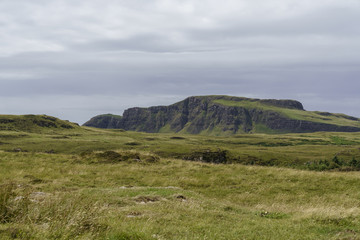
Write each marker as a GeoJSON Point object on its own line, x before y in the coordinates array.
{"type": "Point", "coordinates": [86, 183]}
{"type": "Point", "coordinates": [299, 151]}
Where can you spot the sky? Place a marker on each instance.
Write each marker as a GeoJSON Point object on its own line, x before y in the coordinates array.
{"type": "Point", "coordinates": [76, 59]}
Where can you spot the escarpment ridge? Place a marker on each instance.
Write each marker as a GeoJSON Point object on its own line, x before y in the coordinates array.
{"type": "Point", "coordinates": [226, 115]}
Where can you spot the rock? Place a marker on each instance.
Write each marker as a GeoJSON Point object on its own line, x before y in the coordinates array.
{"type": "Point", "coordinates": [222, 115]}
{"type": "Point", "coordinates": [104, 121]}
{"type": "Point", "coordinates": [38, 196]}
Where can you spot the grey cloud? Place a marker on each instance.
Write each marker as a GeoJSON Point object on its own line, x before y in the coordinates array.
{"type": "Point", "coordinates": [84, 57]}
{"type": "Point", "coordinates": [142, 42]}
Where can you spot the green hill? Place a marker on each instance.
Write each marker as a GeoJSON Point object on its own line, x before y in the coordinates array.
{"type": "Point", "coordinates": [34, 123]}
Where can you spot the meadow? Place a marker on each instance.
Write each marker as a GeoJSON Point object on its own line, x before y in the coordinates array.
{"type": "Point", "coordinates": [87, 183]}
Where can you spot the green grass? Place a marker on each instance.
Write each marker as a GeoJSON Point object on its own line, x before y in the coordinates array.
{"type": "Point", "coordinates": [35, 123]}
{"type": "Point", "coordinates": [261, 128]}
{"type": "Point", "coordinates": [173, 199]}
{"type": "Point", "coordinates": [87, 183]}
{"type": "Point", "coordinates": [165, 129]}
{"type": "Point", "coordinates": [285, 150]}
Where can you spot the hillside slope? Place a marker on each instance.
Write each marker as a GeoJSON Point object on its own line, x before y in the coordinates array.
{"type": "Point", "coordinates": [225, 115]}
{"type": "Point", "coordinates": [34, 123]}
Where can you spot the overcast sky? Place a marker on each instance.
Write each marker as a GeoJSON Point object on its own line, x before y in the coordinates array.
{"type": "Point", "coordinates": [75, 59]}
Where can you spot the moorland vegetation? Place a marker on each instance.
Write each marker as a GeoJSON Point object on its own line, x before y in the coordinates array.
{"type": "Point", "coordinates": [59, 180]}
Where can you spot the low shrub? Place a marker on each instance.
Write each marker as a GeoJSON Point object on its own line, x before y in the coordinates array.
{"type": "Point", "coordinates": [218, 156]}
{"type": "Point", "coordinates": [334, 164]}
{"type": "Point", "coordinates": [113, 157]}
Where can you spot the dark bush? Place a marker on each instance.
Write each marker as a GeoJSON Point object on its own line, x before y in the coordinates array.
{"type": "Point", "coordinates": [219, 156]}
{"type": "Point", "coordinates": [110, 157]}
{"type": "Point", "coordinates": [151, 159]}
{"type": "Point", "coordinates": [113, 157]}
{"type": "Point", "coordinates": [335, 164]}
{"type": "Point", "coordinates": [178, 138]}
{"type": "Point", "coordinates": [132, 143]}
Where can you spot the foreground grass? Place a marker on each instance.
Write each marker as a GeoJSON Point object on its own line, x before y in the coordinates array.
{"type": "Point", "coordinates": [67, 196]}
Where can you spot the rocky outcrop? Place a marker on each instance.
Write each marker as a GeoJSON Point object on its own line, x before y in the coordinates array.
{"type": "Point", "coordinates": [104, 121]}
{"type": "Point", "coordinates": [208, 115]}
{"type": "Point", "coordinates": [275, 121]}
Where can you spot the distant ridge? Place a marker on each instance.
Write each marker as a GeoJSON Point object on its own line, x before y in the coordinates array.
{"type": "Point", "coordinates": [225, 115]}
{"type": "Point", "coordinates": [34, 123]}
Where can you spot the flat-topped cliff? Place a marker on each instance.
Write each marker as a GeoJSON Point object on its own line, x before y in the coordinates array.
{"type": "Point", "coordinates": [223, 115]}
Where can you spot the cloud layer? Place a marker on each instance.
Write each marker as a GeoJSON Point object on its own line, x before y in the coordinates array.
{"type": "Point", "coordinates": [75, 59]}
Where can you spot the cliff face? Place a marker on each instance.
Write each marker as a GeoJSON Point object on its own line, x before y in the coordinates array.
{"type": "Point", "coordinates": [104, 121]}
{"type": "Point", "coordinates": [221, 115]}
{"type": "Point", "coordinates": [193, 115]}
